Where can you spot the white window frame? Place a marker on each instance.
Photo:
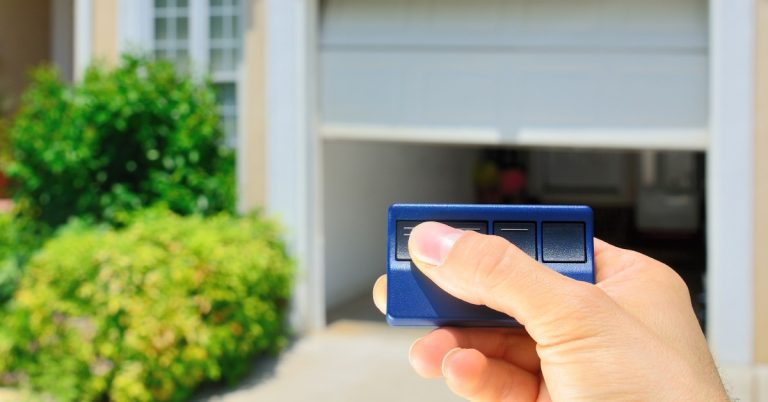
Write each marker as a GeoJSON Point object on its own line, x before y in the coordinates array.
{"type": "Point", "coordinates": [135, 26]}
{"type": "Point", "coordinates": [199, 29]}
{"type": "Point", "coordinates": [83, 36]}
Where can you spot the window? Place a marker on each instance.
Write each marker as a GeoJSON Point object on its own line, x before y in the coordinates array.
{"type": "Point", "coordinates": [172, 30]}
{"type": "Point", "coordinates": [227, 96]}
{"type": "Point", "coordinates": [204, 35]}
{"type": "Point", "coordinates": [225, 36]}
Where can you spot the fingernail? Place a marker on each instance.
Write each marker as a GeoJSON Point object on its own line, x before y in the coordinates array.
{"type": "Point", "coordinates": [447, 361]}
{"type": "Point", "coordinates": [410, 351]}
{"type": "Point", "coordinates": [430, 242]}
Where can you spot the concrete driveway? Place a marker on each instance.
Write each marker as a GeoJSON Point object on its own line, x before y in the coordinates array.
{"type": "Point", "coordinates": [351, 360]}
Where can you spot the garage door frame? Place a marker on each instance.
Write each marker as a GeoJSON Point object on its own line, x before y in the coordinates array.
{"type": "Point", "coordinates": [295, 150]}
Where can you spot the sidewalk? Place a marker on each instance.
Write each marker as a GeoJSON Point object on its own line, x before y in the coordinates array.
{"type": "Point", "coordinates": [351, 360]}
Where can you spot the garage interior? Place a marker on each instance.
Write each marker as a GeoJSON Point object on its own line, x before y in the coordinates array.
{"type": "Point", "coordinates": [513, 101]}
{"type": "Point", "coordinates": [649, 201]}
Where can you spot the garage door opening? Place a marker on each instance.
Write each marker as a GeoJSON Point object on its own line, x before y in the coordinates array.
{"type": "Point", "coordinates": [649, 201]}
{"type": "Point", "coordinates": [502, 85]}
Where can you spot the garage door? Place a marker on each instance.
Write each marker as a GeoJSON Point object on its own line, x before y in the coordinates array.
{"type": "Point", "coordinates": [596, 73]}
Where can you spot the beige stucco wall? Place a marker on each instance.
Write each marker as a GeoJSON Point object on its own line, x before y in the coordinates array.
{"type": "Point", "coordinates": [252, 180]}
{"type": "Point", "coordinates": [24, 43]}
{"type": "Point", "coordinates": [104, 20]}
{"type": "Point", "coordinates": [761, 185]}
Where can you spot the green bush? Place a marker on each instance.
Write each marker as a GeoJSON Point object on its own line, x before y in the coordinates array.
{"type": "Point", "coordinates": [146, 312]}
{"type": "Point", "coordinates": [5, 145]}
{"type": "Point", "coordinates": [9, 266]}
{"type": "Point", "coordinates": [121, 140]}
{"type": "Point", "coordinates": [19, 238]}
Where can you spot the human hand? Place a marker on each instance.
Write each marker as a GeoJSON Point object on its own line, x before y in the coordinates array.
{"type": "Point", "coordinates": [631, 336]}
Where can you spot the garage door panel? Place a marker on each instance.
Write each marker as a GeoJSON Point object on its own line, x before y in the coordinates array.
{"type": "Point", "coordinates": [465, 92]}
{"type": "Point", "coordinates": [584, 24]}
{"type": "Point", "coordinates": [507, 70]}
{"type": "Point", "coordinates": [364, 86]}
{"type": "Point", "coordinates": [556, 90]}
{"type": "Point", "coordinates": [513, 91]}
{"type": "Point", "coordinates": [671, 91]}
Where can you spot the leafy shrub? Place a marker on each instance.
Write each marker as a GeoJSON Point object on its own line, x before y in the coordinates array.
{"type": "Point", "coordinates": [9, 267]}
{"type": "Point", "coordinates": [19, 238]}
{"type": "Point", "coordinates": [147, 312]}
{"type": "Point", "coordinates": [120, 140]}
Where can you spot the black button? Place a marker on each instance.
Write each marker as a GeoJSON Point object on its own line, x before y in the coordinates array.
{"type": "Point", "coordinates": [521, 234]}
{"type": "Point", "coordinates": [404, 228]}
{"type": "Point", "coordinates": [403, 232]}
{"type": "Point", "coordinates": [563, 242]}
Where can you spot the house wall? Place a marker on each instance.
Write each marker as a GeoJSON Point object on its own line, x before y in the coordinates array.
{"type": "Point", "coordinates": [252, 145]}
{"type": "Point", "coordinates": [761, 187]}
{"type": "Point", "coordinates": [104, 25]}
{"type": "Point", "coordinates": [24, 43]}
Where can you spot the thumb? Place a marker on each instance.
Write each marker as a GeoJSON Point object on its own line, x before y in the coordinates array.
{"type": "Point", "coordinates": [488, 270]}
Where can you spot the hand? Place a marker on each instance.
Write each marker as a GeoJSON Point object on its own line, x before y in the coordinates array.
{"type": "Point", "coordinates": [632, 336]}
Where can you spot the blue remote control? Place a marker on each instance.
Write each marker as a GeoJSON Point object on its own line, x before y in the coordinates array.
{"type": "Point", "coordinates": [560, 237]}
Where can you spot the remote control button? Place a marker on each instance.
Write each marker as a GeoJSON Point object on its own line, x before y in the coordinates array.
{"type": "Point", "coordinates": [563, 242]}
{"type": "Point", "coordinates": [521, 234]}
{"type": "Point", "coordinates": [404, 228]}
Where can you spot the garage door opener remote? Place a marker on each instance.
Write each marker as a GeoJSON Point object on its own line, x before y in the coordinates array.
{"type": "Point", "coordinates": [558, 236]}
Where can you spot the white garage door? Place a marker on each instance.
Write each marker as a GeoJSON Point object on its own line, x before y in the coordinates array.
{"type": "Point", "coordinates": [605, 73]}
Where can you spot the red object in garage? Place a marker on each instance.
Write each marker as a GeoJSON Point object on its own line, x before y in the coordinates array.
{"type": "Point", "coordinates": [3, 185]}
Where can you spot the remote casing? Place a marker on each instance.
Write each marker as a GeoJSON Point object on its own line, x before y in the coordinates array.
{"type": "Point", "coordinates": [559, 236]}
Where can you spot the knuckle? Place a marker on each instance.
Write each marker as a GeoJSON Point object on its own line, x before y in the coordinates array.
{"type": "Point", "coordinates": [674, 281]}
{"type": "Point", "coordinates": [655, 276]}
{"type": "Point", "coordinates": [630, 258]}
{"type": "Point", "coordinates": [662, 274]}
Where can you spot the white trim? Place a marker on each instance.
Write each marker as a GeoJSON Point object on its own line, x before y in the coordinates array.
{"type": "Point", "coordinates": [730, 179]}
{"type": "Point", "coordinates": [630, 138]}
{"type": "Point", "coordinates": [199, 42]}
{"type": "Point", "coordinates": [62, 36]}
{"type": "Point", "coordinates": [241, 150]}
{"type": "Point", "coordinates": [315, 162]}
{"type": "Point", "coordinates": [135, 25]}
{"type": "Point", "coordinates": [241, 79]}
{"type": "Point", "coordinates": [83, 37]}
{"type": "Point", "coordinates": [223, 76]}
{"type": "Point", "coordinates": [291, 147]}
